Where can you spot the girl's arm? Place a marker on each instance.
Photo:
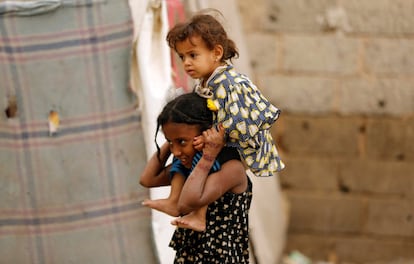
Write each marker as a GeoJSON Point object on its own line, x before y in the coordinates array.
{"type": "Point", "coordinates": [202, 189]}
{"type": "Point", "coordinates": [155, 173]}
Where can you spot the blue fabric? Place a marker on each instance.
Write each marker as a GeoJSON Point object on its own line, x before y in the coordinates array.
{"type": "Point", "coordinates": [196, 159]}
{"type": "Point", "coordinates": [178, 167]}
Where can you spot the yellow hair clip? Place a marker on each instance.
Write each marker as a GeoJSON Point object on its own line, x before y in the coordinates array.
{"type": "Point", "coordinates": [211, 105]}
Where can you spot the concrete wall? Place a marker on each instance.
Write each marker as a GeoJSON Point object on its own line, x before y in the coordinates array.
{"type": "Point", "coordinates": [343, 74]}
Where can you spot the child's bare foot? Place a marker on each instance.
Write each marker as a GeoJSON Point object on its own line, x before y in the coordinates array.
{"type": "Point", "coordinates": [164, 205]}
{"type": "Point", "coordinates": [190, 221]}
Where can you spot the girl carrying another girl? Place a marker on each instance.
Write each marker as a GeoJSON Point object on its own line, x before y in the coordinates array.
{"type": "Point", "coordinates": [225, 193]}
{"type": "Point", "coordinates": [237, 104]}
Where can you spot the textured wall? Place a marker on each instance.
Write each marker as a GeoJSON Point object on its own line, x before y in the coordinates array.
{"type": "Point", "coordinates": [343, 74]}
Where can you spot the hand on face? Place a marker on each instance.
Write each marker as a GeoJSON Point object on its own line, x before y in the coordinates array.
{"type": "Point", "coordinates": [213, 140]}
{"type": "Point", "coordinates": [198, 143]}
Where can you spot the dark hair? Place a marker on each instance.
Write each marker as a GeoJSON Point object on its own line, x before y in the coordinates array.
{"type": "Point", "coordinates": [209, 29]}
{"type": "Point", "coordinates": [188, 108]}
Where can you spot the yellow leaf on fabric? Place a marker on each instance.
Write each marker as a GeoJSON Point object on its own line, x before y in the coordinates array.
{"type": "Point", "coordinates": [234, 96]}
{"type": "Point", "coordinates": [248, 101]}
{"type": "Point", "coordinates": [249, 161]}
{"type": "Point", "coordinates": [234, 109]}
{"type": "Point", "coordinates": [241, 126]}
{"type": "Point", "coordinates": [254, 114]}
{"type": "Point", "coordinates": [233, 136]}
{"type": "Point", "coordinates": [227, 123]}
{"type": "Point", "coordinates": [221, 115]}
{"type": "Point", "coordinates": [261, 106]}
{"type": "Point", "coordinates": [221, 92]}
{"type": "Point", "coordinates": [244, 113]}
{"type": "Point", "coordinates": [253, 129]}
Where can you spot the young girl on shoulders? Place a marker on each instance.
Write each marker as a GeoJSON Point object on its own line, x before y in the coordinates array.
{"type": "Point", "coordinates": [247, 116]}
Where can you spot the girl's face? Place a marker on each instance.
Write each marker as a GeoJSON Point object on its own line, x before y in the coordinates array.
{"type": "Point", "coordinates": [199, 62]}
{"type": "Point", "coordinates": [180, 137]}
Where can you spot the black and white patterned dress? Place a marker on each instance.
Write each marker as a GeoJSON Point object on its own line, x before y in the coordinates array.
{"type": "Point", "coordinates": [226, 239]}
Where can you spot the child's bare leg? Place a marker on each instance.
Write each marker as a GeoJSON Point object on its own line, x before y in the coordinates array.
{"type": "Point", "coordinates": [168, 205]}
{"type": "Point", "coordinates": [196, 220]}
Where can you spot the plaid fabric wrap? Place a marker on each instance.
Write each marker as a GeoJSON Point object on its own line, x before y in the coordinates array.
{"type": "Point", "coordinates": [71, 197]}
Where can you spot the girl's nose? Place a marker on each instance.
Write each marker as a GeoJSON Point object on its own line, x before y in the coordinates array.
{"type": "Point", "coordinates": [176, 151]}
{"type": "Point", "coordinates": [186, 61]}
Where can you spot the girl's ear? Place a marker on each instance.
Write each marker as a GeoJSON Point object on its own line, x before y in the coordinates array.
{"type": "Point", "coordinates": [218, 52]}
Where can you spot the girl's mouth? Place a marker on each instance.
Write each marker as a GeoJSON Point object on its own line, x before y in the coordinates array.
{"type": "Point", "coordinates": [185, 162]}
{"type": "Point", "coordinates": [191, 72]}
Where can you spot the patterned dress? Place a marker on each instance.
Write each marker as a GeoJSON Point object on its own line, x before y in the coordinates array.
{"type": "Point", "coordinates": [226, 239]}
{"type": "Point", "coordinates": [247, 117]}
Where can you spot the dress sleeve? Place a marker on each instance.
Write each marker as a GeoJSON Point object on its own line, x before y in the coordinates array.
{"type": "Point", "coordinates": [178, 167]}
{"type": "Point", "coordinates": [196, 159]}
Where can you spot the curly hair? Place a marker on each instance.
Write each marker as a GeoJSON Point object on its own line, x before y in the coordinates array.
{"type": "Point", "coordinates": [209, 29]}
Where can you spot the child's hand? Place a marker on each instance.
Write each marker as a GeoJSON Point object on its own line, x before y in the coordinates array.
{"type": "Point", "coordinates": [198, 143]}
{"type": "Point", "coordinates": [213, 141]}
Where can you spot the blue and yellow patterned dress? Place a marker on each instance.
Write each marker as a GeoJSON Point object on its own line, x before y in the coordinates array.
{"type": "Point", "coordinates": [247, 117]}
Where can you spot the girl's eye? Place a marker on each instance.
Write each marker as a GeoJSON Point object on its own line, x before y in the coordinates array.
{"type": "Point", "coordinates": [181, 57]}
{"type": "Point", "coordinates": [193, 55]}
{"type": "Point", "coordinates": [182, 142]}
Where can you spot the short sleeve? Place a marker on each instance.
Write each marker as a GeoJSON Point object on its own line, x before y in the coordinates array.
{"type": "Point", "coordinates": [178, 167]}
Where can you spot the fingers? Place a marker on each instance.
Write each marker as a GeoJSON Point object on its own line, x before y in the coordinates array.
{"type": "Point", "coordinates": [214, 139]}
{"type": "Point", "coordinates": [198, 140]}
{"type": "Point", "coordinates": [199, 147]}
{"type": "Point", "coordinates": [217, 130]}
{"type": "Point", "coordinates": [221, 129]}
{"type": "Point", "coordinates": [198, 143]}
